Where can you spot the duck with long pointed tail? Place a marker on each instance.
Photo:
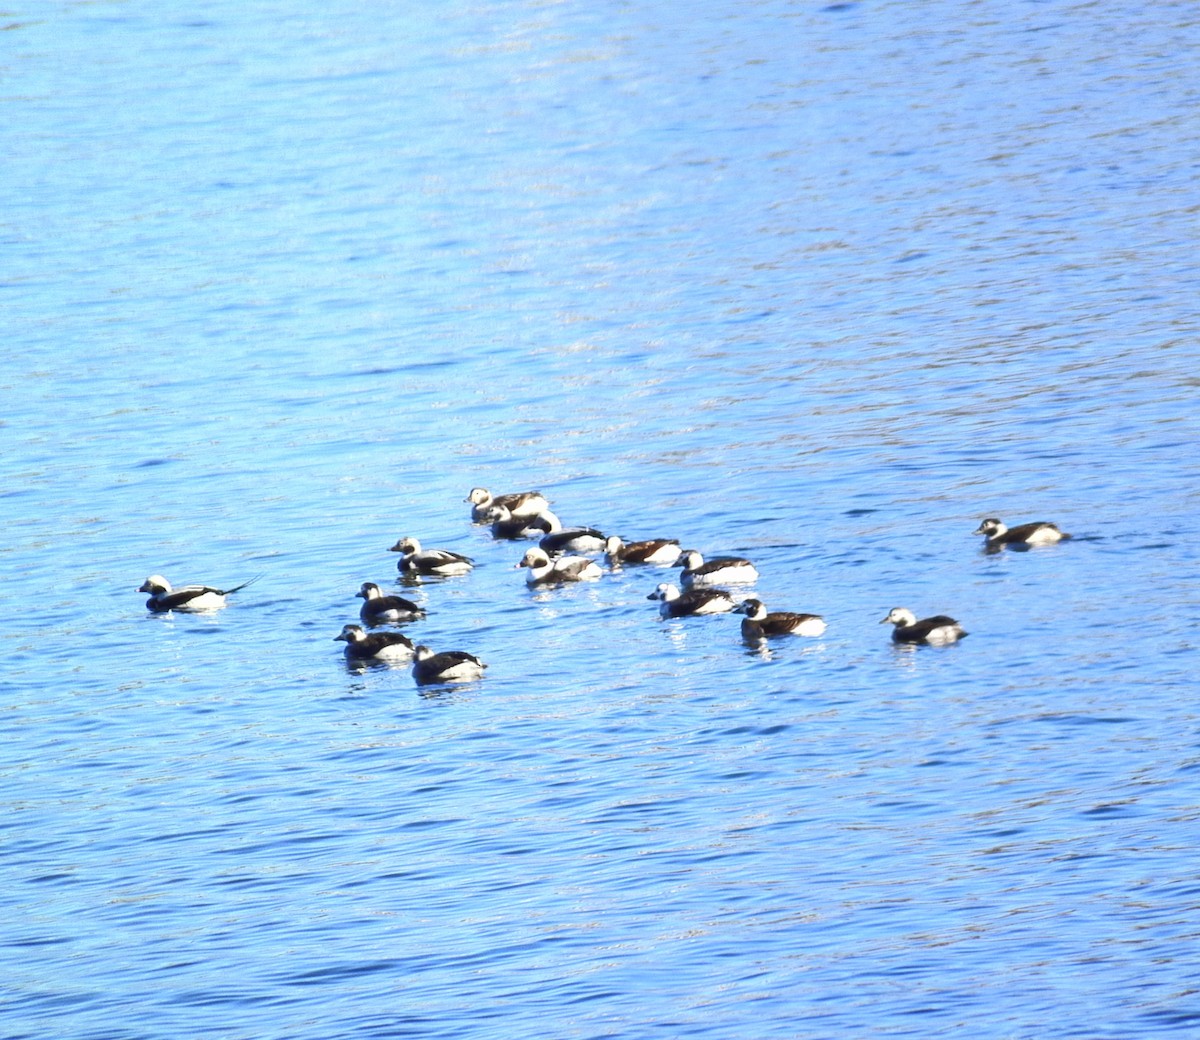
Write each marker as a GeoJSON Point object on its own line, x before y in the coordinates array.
{"type": "Point", "coordinates": [188, 598]}
{"type": "Point", "coordinates": [441, 563]}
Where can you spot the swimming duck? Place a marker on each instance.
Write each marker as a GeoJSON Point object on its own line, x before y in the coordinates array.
{"type": "Point", "coordinates": [377, 609]}
{"type": "Point", "coordinates": [1037, 533]}
{"type": "Point", "coordinates": [546, 571]}
{"type": "Point", "coordinates": [192, 598]}
{"type": "Point", "coordinates": [724, 570]}
{"type": "Point", "coordinates": [561, 539]}
{"type": "Point", "coordinates": [378, 646]}
{"type": "Point", "coordinates": [509, 527]}
{"type": "Point", "coordinates": [937, 630]}
{"type": "Point", "coordinates": [519, 503]}
{"type": "Point", "coordinates": [440, 562]}
{"type": "Point", "coordinates": [450, 666]}
{"type": "Point", "coordinates": [673, 603]}
{"type": "Point", "coordinates": [662, 551]}
{"type": "Point", "coordinates": [758, 624]}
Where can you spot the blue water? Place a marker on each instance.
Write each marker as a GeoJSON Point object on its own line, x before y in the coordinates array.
{"type": "Point", "coordinates": [820, 285]}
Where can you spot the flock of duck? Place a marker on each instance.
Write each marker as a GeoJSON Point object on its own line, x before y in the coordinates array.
{"type": "Point", "coordinates": [568, 554]}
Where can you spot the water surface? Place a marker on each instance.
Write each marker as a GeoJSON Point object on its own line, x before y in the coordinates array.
{"type": "Point", "coordinates": [823, 286]}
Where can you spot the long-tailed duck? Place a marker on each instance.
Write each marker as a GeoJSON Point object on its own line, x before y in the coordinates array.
{"type": "Point", "coordinates": [662, 551]}
{"type": "Point", "coordinates": [441, 562]}
{"type": "Point", "coordinates": [377, 609]}
{"type": "Point", "coordinates": [506, 526]}
{"type": "Point", "coordinates": [937, 630]}
{"type": "Point", "coordinates": [673, 603]}
{"type": "Point", "coordinates": [519, 503]}
{"type": "Point", "coordinates": [546, 571]}
{"type": "Point", "coordinates": [724, 570]}
{"type": "Point", "coordinates": [193, 598]}
{"type": "Point", "coordinates": [758, 624]}
{"type": "Point", "coordinates": [377, 646]}
{"type": "Point", "coordinates": [450, 666]}
{"type": "Point", "coordinates": [1037, 533]}
{"type": "Point", "coordinates": [561, 539]}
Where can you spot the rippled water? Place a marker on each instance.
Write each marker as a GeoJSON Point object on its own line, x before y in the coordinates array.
{"type": "Point", "coordinates": [819, 285]}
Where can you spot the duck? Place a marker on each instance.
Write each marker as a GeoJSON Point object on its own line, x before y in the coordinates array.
{"type": "Point", "coordinates": [519, 503]}
{"type": "Point", "coordinates": [189, 598]}
{"type": "Point", "coordinates": [440, 562]}
{"type": "Point", "coordinates": [508, 527]}
{"type": "Point", "coordinates": [662, 551]}
{"type": "Point", "coordinates": [758, 624]}
{"type": "Point", "coordinates": [450, 666]}
{"type": "Point", "coordinates": [546, 571]}
{"type": "Point", "coordinates": [724, 570]}
{"type": "Point", "coordinates": [1037, 533]}
{"type": "Point", "coordinates": [377, 609]}
{"type": "Point", "coordinates": [377, 646]}
{"type": "Point", "coordinates": [673, 603]}
{"type": "Point", "coordinates": [559, 539]}
{"type": "Point", "coordinates": [937, 630]}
